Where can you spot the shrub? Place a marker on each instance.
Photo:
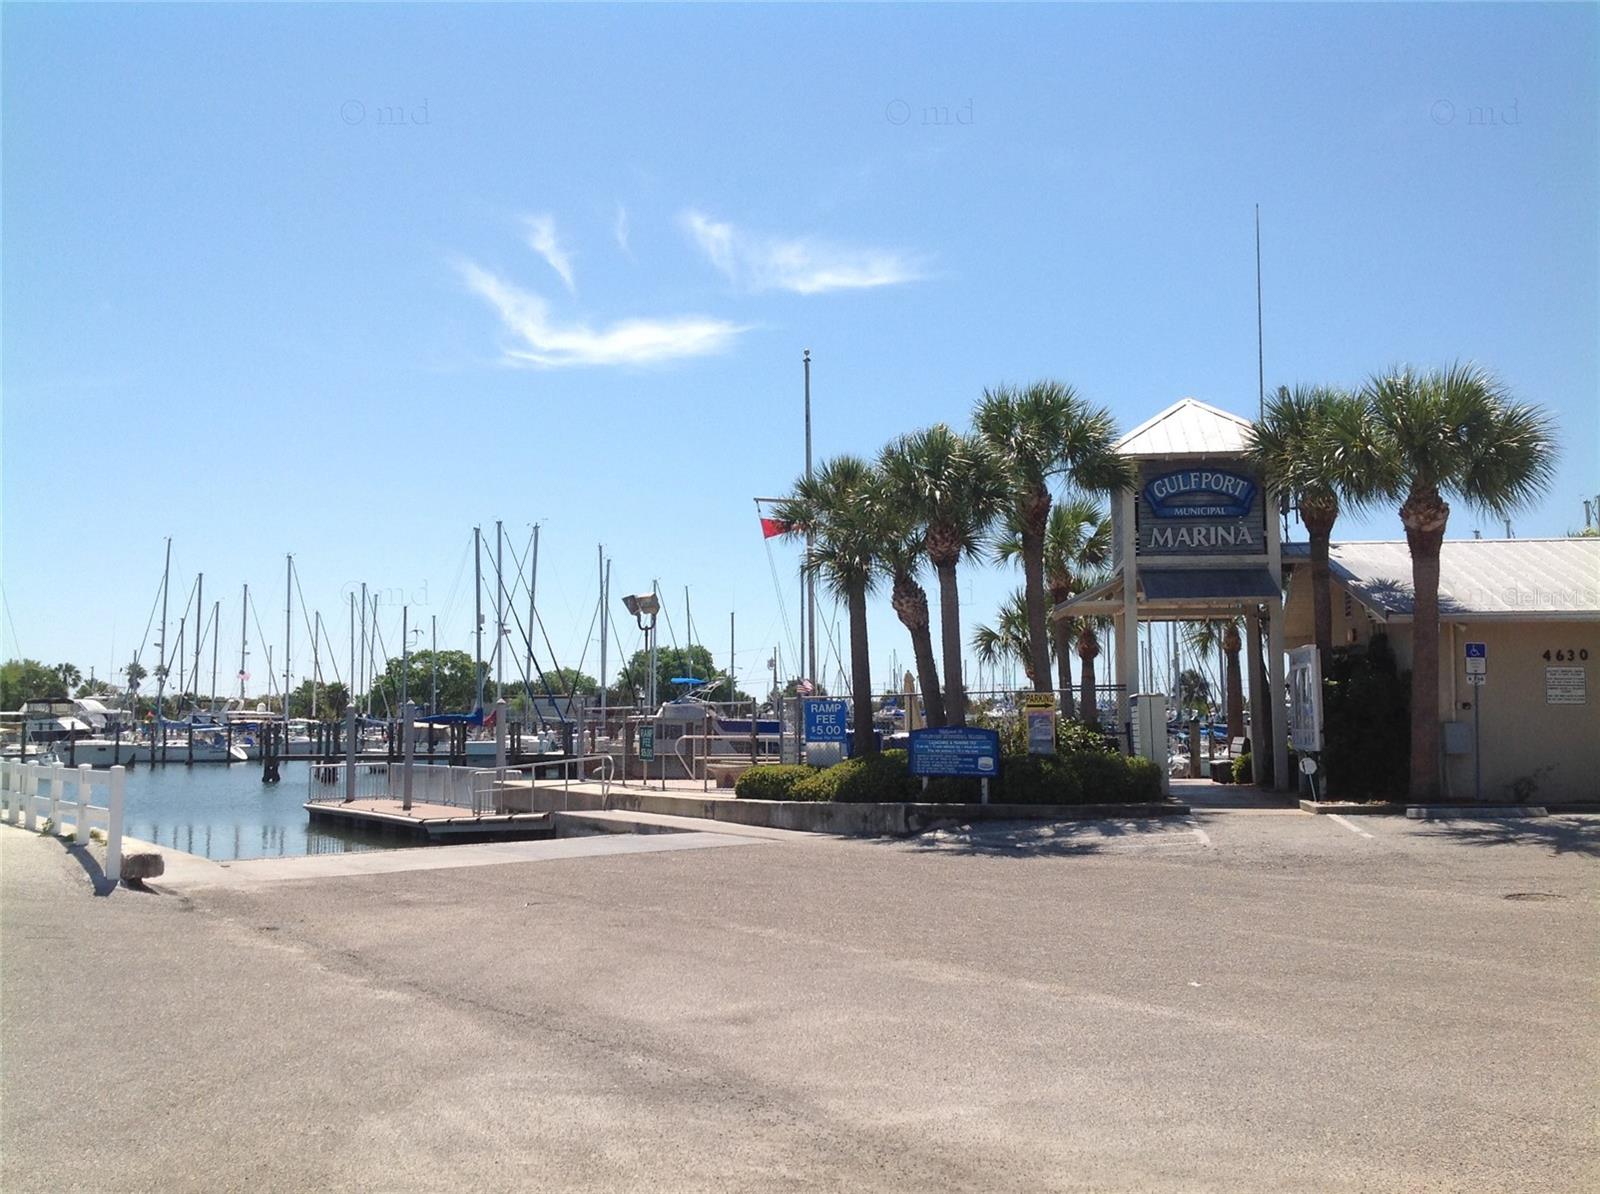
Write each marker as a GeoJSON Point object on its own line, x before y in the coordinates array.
{"type": "Point", "coordinates": [1039, 779]}
{"type": "Point", "coordinates": [771, 782]}
{"type": "Point", "coordinates": [1222, 771]}
{"type": "Point", "coordinates": [863, 780]}
{"type": "Point", "coordinates": [1144, 780]}
{"type": "Point", "coordinates": [1243, 771]}
{"type": "Point", "coordinates": [1071, 737]}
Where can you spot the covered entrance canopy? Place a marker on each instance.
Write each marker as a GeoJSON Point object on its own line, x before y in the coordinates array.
{"type": "Point", "coordinates": [1195, 539]}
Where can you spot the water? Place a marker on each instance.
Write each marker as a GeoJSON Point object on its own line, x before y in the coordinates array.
{"type": "Point", "coordinates": [224, 812]}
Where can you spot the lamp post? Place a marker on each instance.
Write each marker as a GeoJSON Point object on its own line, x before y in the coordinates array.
{"type": "Point", "coordinates": [642, 606]}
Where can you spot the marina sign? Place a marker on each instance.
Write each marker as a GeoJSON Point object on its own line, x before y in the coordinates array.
{"type": "Point", "coordinates": [1199, 493]}
{"type": "Point", "coordinates": [825, 720]}
{"type": "Point", "coordinates": [1200, 510]}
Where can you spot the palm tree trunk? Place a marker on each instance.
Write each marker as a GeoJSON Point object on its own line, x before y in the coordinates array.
{"type": "Point", "coordinates": [1425, 515]}
{"type": "Point", "coordinates": [955, 689]}
{"type": "Point", "coordinates": [860, 674]}
{"type": "Point", "coordinates": [1088, 649]}
{"type": "Point", "coordinates": [1267, 715]}
{"type": "Point", "coordinates": [1319, 520]}
{"type": "Point", "coordinates": [1035, 517]}
{"type": "Point", "coordinates": [1061, 632]}
{"type": "Point", "coordinates": [1235, 682]}
{"type": "Point", "coordinates": [928, 676]}
{"type": "Point", "coordinates": [911, 604]}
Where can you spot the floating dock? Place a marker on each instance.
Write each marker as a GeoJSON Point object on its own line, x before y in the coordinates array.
{"type": "Point", "coordinates": [430, 823]}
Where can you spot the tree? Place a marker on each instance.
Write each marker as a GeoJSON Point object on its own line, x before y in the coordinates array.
{"type": "Point", "coordinates": [331, 700]}
{"type": "Point", "coordinates": [1194, 691]}
{"type": "Point", "coordinates": [24, 680]}
{"type": "Point", "coordinates": [1307, 449]}
{"type": "Point", "coordinates": [1454, 432]}
{"type": "Point", "coordinates": [951, 487]}
{"type": "Point", "coordinates": [135, 672]}
{"type": "Point", "coordinates": [69, 676]}
{"type": "Point", "coordinates": [1007, 640]}
{"type": "Point", "coordinates": [1223, 634]}
{"type": "Point", "coordinates": [671, 661]}
{"type": "Point", "coordinates": [1077, 544]}
{"type": "Point", "coordinates": [902, 544]}
{"type": "Point", "coordinates": [836, 509]}
{"type": "Point", "coordinates": [458, 683]}
{"type": "Point", "coordinates": [1088, 630]}
{"type": "Point", "coordinates": [1037, 432]}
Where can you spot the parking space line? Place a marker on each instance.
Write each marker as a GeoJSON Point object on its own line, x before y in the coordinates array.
{"type": "Point", "coordinates": [1351, 826]}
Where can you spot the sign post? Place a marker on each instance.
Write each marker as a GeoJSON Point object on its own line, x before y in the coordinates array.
{"type": "Point", "coordinates": [1477, 676]}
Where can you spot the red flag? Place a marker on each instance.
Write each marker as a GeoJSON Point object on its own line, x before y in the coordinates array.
{"type": "Point", "coordinates": [773, 526]}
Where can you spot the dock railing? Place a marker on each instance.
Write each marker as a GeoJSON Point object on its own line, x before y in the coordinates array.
{"type": "Point", "coordinates": [702, 752]}
{"type": "Point", "coordinates": [487, 782]}
{"type": "Point", "coordinates": [453, 787]}
{"type": "Point", "coordinates": [21, 801]}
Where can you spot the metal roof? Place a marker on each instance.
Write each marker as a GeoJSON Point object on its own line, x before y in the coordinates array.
{"type": "Point", "coordinates": [1479, 579]}
{"type": "Point", "coordinates": [1187, 428]}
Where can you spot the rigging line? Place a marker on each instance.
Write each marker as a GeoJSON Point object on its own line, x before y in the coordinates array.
{"type": "Point", "coordinates": [155, 604]}
{"type": "Point", "coordinates": [455, 585]}
{"type": "Point", "coordinates": [261, 637]}
{"type": "Point", "coordinates": [305, 615]}
{"type": "Point", "coordinates": [783, 606]}
{"type": "Point", "coordinates": [15, 641]}
{"type": "Point", "coordinates": [667, 614]}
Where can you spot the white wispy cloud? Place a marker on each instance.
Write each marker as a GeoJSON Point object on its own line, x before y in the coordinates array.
{"type": "Point", "coordinates": [542, 342]}
{"type": "Point", "coordinates": [801, 265]}
{"type": "Point", "coordinates": [619, 229]}
{"type": "Point", "coordinates": [540, 233]}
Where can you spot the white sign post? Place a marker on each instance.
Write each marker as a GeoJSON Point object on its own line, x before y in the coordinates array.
{"type": "Point", "coordinates": [1477, 676]}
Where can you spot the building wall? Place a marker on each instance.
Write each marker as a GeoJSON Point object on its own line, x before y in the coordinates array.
{"type": "Point", "coordinates": [1522, 732]}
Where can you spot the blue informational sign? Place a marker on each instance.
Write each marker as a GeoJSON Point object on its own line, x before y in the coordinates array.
{"type": "Point", "coordinates": [1477, 650]}
{"type": "Point", "coordinates": [954, 750]}
{"type": "Point", "coordinates": [826, 720]}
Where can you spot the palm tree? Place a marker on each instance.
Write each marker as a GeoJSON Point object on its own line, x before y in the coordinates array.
{"type": "Point", "coordinates": [1077, 543]}
{"type": "Point", "coordinates": [1307, 447]}
{"type": "Point", "coordinates": [947, 483]}
{"type": "Point", "coordinates": [837, 508]}
{"type": "Point", "coordinates": [1037, 432]}
{"type": "Point", "coordinates": [1455, 432]}
{"type": "Point", "coordinates": [1088, 632]}
{"type": "Point", "coordinates": [902, 546]}
{"type": "Point", "coordinates": [1007, 640]}
{"type": "Point", "coordinates": [1207, 637]}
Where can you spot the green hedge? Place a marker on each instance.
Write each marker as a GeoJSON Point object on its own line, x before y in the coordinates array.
{"type": "Point", "coordinates": [772, 782]}
{"type": "Point", "coordinates": [1243, 771]}
{"type": "Point", "coordinates": [864, 780]}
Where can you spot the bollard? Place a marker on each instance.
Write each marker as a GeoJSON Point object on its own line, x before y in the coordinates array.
{"type": "Point", "coordinates": [113, 866]}
{"type": "Point", "coordinates": [56, 778]}
{"type": "Point", "coordinates": [5, 790]}
{"type": "Point", "coordinates": [85, 789]}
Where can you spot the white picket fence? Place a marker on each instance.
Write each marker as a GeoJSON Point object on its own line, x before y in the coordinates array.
{"type": "Point", "coordinates": [21, 801]}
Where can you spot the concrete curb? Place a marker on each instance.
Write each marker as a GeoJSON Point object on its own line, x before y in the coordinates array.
{"type": "Point", "coordinates": [848, 820]}
{"type": "Point", "coordinates": [1435, 812]}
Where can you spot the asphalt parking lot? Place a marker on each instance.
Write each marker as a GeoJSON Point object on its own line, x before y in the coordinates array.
{"type": "Point", "coordinates": [1249, 999]}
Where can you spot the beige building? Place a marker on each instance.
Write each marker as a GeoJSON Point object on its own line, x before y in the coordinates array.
{"type": "Point", "coordinates": [1533, 604]}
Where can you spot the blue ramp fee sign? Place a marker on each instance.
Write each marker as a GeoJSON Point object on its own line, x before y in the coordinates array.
{"type": "Point", "coordinates": [825, 721]}
{"type": "Point", "coordinates": [954, 750]}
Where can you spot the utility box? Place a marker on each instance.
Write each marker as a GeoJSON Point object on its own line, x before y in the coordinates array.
{"type": "Point", "coordinates": [1150, 732]}
{"type": "Point", "coordinates": [1458, 737]}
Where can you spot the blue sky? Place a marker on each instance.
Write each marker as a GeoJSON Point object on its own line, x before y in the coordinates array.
{"type": "Point", "coordinates": [344, 281]}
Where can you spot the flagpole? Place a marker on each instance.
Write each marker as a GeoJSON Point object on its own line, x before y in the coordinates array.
{"type": "Point", "coordinates": [811, 580]}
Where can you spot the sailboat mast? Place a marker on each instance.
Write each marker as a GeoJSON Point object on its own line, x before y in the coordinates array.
{"type": "Point", "coordinates": [355, 686]}
{"type": "Point", "coordinates": [499, 609]}
{"type": "Point", "coordinates": [533, 584]}
{"type": "Point", "coordinates": [366, 686]}
{"type": "Point", "coordinates": [244, 639]}
{"type": "Point", "coordinates": [433, 668]}
{"type": "Point", "coordinates": [600, 555]}
{"type": "Point", "coordinates": [477, 615]}
{"type": "Point", "coordinates": [288, 627]}
{"type": "Point", "coordinates": [161, 663]}
{"type": "Point", "coordinates": [199, 627]}
{"type": "Point", "coordinates": [811, 579]}
{"type": "Point", "coordinates": [216, 644]}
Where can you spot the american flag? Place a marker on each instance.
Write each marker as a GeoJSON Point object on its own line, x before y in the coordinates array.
{"type": "Point", "coordinates": [804, 688]}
